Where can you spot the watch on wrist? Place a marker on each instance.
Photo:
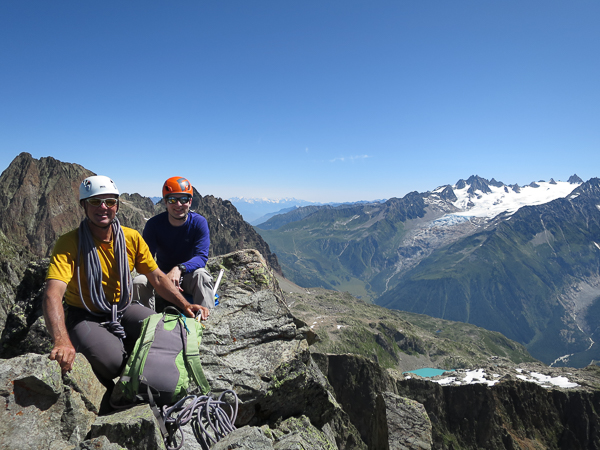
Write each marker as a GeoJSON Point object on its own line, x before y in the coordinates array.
{"type": "Point", "coordinates": [181, 268]}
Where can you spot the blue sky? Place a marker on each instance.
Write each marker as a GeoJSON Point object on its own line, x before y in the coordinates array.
{"type": "Point", "coordinates": [318, 100]}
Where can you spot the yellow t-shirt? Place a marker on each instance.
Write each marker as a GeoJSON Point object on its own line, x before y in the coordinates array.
{"type": "Point", "coordinates": [64, 260]}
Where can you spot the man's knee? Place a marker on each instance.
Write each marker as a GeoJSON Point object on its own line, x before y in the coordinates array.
{"type": "Point", "coordinates": [143, 291]}
{"type": "Point", "coordinates": [140, 282]}
{"type": "Point", "coordinates": [201, 287]}
{"type": "Point", "coordinates": [102, 349]}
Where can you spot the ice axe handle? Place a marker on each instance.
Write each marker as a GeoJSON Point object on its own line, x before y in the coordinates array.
{"type": "Point", "coordinates": [218, 282]}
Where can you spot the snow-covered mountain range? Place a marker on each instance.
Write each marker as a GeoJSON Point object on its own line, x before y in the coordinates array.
{"type": "Point", "coordinates": [477, 197]}
{"type": "Point", "coordinates": [437, 218]}
{"type": "Point", "coordinates": [456, 211]}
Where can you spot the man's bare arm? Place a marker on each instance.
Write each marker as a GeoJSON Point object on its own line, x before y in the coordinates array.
{"type": "Point", "coordinates": [167, 290]}
{"type": "Point", "coordinates": [54, 315]}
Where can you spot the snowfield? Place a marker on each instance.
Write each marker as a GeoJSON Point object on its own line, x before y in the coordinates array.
{"type": "Point", "coordinates": [479, 376]}
{"type": "Point", "coordinates": [502, 199]}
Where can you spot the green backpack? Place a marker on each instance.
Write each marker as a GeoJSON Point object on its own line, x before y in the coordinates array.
{"type": "Point", "coordinates": [165, 357]}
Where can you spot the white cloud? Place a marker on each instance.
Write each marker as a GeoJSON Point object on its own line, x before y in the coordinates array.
{"type": "Point", "coordinates": [349, 158]}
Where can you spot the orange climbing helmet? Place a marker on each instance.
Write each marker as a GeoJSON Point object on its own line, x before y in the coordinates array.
{"type": "Point", "coordinates": [177, 185]}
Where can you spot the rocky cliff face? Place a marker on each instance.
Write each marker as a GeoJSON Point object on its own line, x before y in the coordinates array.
{"type": "Point", "coordinates": [13, 261]}
{"type": "Point", "coordinates": [503, 411]}
{"type": "Point", "coordinates": [39, 201]}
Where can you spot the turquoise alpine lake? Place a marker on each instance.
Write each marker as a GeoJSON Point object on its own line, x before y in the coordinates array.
{"type": "Point", "coordinates": [428, 372]}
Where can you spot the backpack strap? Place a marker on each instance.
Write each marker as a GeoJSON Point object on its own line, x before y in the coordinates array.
{"type": "Point", "coordinates": [192, 358]}
{"type": "Point", "coordinates": [191, 352]}
{"type": "Point", "coordinates": [157, 414]}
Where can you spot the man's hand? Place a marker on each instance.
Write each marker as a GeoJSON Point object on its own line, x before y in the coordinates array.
{"type": "Point", "coordinates": [167, 291]}
{"type": "Point", "coordinates": [54, 316]}
{"type": "Point", "coordinates": [175, 276]}
{"type": "Point", "coordinates": [191, 310]}
{"type": "Point", "coordinates": [64, 355]}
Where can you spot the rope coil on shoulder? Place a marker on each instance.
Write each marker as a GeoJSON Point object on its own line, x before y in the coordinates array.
{"type": "Point", "coordinates": [93, 271]}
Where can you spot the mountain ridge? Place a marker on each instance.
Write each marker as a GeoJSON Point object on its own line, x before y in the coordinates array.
{"type": "Point", "coordinates": [441, 214]}
{"type": "Point", "coordinates": [370, 250]}
{"type": "Point", "coordinates": [535, 262]}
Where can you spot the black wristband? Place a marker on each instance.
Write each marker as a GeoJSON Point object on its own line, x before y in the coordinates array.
{"type": "Point", "coordinates": [181, 268]}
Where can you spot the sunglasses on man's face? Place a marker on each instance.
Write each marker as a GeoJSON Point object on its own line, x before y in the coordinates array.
{"type": "Point", "coordinates": [184, 200]}
{"type": "Point", "coordinates": [109, 202]}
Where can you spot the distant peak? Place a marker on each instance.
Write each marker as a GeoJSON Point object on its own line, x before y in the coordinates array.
{"type": "Point", "coordinates": [448, 194]}
{"type": "Point", "coordinates": [592, 186]}
{"type": "Point", "coordinates": [476, 179]}
{"type": "Point", "coordinates": [574, 179]}
{"type": "Point", "coordinates": [475, 183]}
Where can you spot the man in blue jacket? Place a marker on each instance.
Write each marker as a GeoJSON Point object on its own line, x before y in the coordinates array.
{"type": "Point", "coordinates": [180, 240]}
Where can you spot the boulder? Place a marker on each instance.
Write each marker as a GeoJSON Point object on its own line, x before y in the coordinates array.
{"type": "Point", "coordinates": [293, 433]}
{"type": "Point", "coordinates": [135, 429]}
{"type": "Point", "coordinates": [408, 425]}
{"type": "Point", "coordinates": [44, 409]}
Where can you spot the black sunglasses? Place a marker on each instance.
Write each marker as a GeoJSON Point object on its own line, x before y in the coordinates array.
{"type": "Point", "coordinates": [109, 202]}
{"type": "Point", "coordinates": [184, 199]}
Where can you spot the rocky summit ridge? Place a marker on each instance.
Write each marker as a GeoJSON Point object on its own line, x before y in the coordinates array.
{"type": "Point", "coordinates": [295, 389]}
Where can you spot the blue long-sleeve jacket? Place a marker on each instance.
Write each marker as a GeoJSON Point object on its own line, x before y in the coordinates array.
{"type": "Point", "coordinates": [187, 244]}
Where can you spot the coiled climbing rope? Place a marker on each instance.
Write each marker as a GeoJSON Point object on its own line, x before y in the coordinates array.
{"type": "Point", "coordinates": [93, 272]}
{"type": "Point", "coordinates": [209, 421]}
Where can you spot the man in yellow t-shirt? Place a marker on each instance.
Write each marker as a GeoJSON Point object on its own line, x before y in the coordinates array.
{"type": "Point", "coordinates": [91, 270]}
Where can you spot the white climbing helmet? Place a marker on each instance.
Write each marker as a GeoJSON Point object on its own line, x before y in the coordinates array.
{"type": "Point", "coordinates": [97, 185]}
